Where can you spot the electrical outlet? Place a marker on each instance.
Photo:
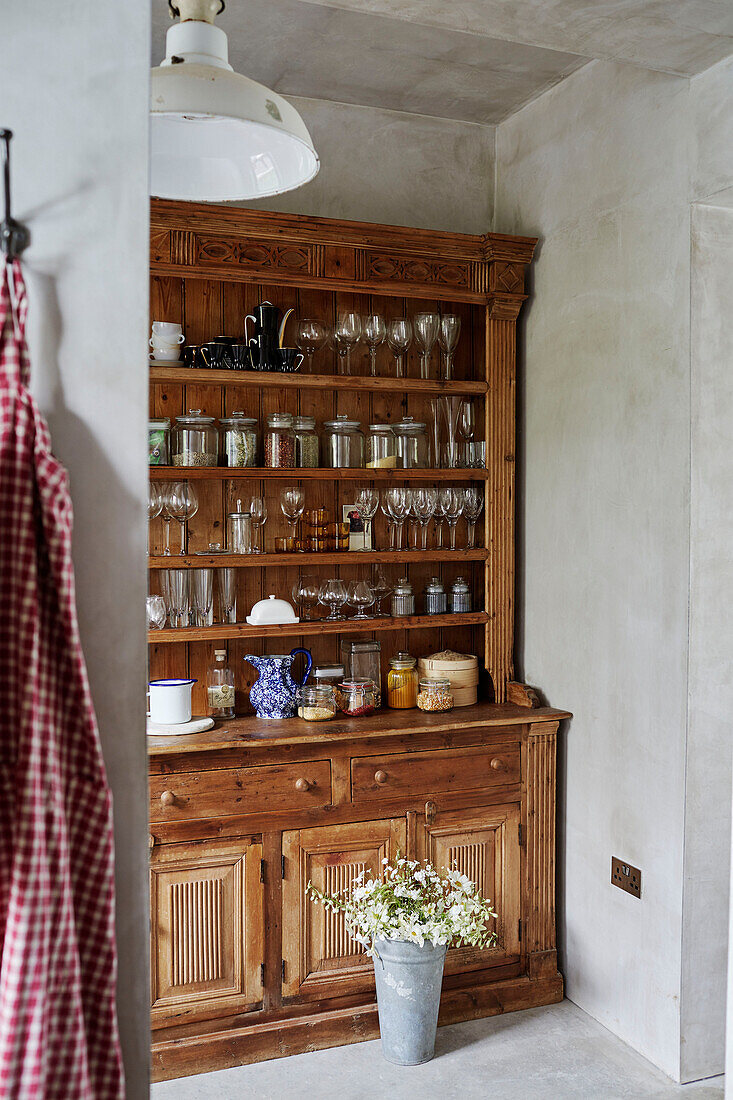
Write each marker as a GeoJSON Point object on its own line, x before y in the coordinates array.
{"type": "Point", "coordinates": [625, 876]}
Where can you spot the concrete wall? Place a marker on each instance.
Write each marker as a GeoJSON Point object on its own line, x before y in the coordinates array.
{"type": "Point", "coordinates": [384, 166]}
{"type": "Point", "coordinates": [75, 90]}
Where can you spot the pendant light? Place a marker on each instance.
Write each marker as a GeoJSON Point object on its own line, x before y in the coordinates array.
{"type": "Point", "coordinates": [217, 136]}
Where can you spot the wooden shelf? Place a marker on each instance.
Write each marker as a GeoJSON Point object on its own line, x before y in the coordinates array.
{"type": "Point", "coordinates": [352, 557]}
{"type": "Point", "coordinates": [222, 631]}
{"type": "Point", "coordinates": [257, 379]}
{"type": "Point", "coordinates": [258, 473]}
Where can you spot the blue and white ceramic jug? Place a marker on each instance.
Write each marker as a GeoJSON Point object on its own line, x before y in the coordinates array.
{"type": "Point", "coordinates": [273, 695]}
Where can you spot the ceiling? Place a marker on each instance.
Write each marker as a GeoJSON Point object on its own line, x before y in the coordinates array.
{"type": "Point", "coordinates": [473, 60]}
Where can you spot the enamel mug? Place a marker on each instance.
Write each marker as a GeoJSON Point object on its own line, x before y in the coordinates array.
{"type": "Point", "coordinates": [170, 701]}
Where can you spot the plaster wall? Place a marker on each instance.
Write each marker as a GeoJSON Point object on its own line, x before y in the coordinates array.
{"type": "Point", "coordinates": [75, 91]}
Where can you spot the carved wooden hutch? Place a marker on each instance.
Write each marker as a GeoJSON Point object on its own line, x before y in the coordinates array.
{"type": "Point", "coordinates": [244, 966]}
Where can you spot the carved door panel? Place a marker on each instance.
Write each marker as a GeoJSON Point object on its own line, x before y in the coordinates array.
{"type": "Point", "coordinates": [484, 845]}
{"type": "Point", "coordinates": [320, 958]}
{"type": "Point", "coordinates": [207, 924]}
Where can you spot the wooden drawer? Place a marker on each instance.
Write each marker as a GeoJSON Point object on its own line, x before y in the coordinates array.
{"type": "Point", "coordinates": [240, 791]}
{"type": "Point", "coordinates": [426, 773]}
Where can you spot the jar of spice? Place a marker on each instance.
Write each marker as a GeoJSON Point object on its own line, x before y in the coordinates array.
{"type": "Point", "coordinates": [381, 447]}
{"type": "Point", "coordinates": [158, 435]}
{"type": "Point", "coordinates": [436, 600]}
{"type": "Point", "coordinates": [195, 440]}
{"type": "Point", "coordinates": [357, 698]}
{"type": "Point", "coordinates": [412, 444]}
{"type": "Point", "coordinates": [280, 442]}
{"type": "Point", "coordinates": [306, 442]}
{"type": "Point", "coordinates": [343, 443]}
{"type": "Point", "coordinates": [435, 695]}
{"type": "Point", "coordinates": [402, 682]}
{"type": "Point", "coordinates": [316, 702]}
{"type": "Point", "coordinates": [403, 599]}
{"type": "Point", "coordinates": [239, 440]}
{"type": "Point", "coordinates": [460, 596]}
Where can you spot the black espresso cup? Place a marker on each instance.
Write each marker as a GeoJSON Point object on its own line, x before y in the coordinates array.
{"type": "Point", "coordinates": [289, 359]}
{"type": "Point", "coordinates": [240, 357]}
{"type": "Point", "coordinates": [215, 354]}
{"type": "Point", "coordinates": [192, 356]}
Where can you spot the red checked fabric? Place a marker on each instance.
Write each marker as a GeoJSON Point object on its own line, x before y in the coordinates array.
{"type": "Point", "coordinates": [58, 1029]}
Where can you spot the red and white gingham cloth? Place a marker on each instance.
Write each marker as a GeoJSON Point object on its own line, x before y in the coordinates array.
{"type": "Point", "coordinates": [58, 1028]}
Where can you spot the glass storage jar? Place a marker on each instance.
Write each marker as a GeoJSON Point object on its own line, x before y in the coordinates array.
{"type": "Point", "coordinates": [403, 599]}
{"type": "Point", "coordinates": [381, 447]}
{"type": "Point", "coordinates": [239, 531]}
{"type": "Point", "coordinates": [328, 675]}
{"type": "Point", "coordinates": [357, 698]}
{"type": "Point", "coordinates": [402, 682]}
{"type": "Point", "coordinates": [280, 442]}
{"type": "Point", "coordinates": [195, 440]}
{"type": "Point", "coordinates": [306, 442]}
{"type": "Point", "coordinates": [434, 695]}
{"type": "Point", "coordinates": [460, 596]}
{"type": "Point", "coordinates": [343, 443]}
{"type": "Point", "coordinates": [362, 660]}
{"type": "Point", "coordinates": [158, 440]}
{"type": "Point", "coordinates": [412, 444]}
{"type": "Point", "coordinates": [316, 702]}
{"type": "Point", "coordinates": [436, 600]}
{"type": "Point", "coordinates": [239, 438]}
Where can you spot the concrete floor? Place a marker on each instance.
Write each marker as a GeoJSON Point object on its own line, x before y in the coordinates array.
{"type": "Point", "coordinates": [555, 1053]}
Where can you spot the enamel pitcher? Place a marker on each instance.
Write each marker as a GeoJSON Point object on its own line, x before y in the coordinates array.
{"type": "Point", "coordinates": [273, 695]}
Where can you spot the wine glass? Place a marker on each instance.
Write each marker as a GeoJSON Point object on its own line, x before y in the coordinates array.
{"type": "Point", "coordinates": [333, 593]}
{"type": "Point", "coordinates": [347, 335]}
{"type": "Point", "coordinates": [381, 587]}
{"type": "Point", "coordinates": [424, 503]}
{"type": "Point", "coordinates": [473, 504]}
{"type": "Point", "coordinates": [311, 337]}
{"type": "Point", "coordinates": [155, 505]}
{"type": "Point", "coordinates": [399, 338]}
{"type": "Point", "coordinates": [443, 498]}
{"type": "Point", "coordinates": [453, 506]}
{"type": "Point", "coordinates": [413, 520]}
{"type": "Point", "coordinates": [156, 612]}
{"type": "Point", "coordinates": [361, 595]}
{"type": "Point", "coordinates": [305, 594]}
{"type": "Point", "coordinates": [396, 506]}
{"type": "Point", "coordinates": [366, 505]}
{"type": "Point", "coordinates": [426, 327]}
{"type": "Point", "coordinates": [467, 427]}
{"type": "Point", "coordinates": [292, 503]}
{"type": "Point", "coordinates": [450, 330]}
{"type": "Point", "coordinates": [181, 505]}
{"type": "Point", "coordinates": [451, 408]}
{"type": "Point", "coordinates": [257, 509]}
{"type": "Point", "coordinates": [375, 331]}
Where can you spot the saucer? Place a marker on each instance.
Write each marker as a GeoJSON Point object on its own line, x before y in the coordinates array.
{"type": "Point", "coordinates": [165, 362]}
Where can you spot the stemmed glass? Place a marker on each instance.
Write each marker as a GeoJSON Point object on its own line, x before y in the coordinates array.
{"type": "Point", "coordinates": [473, 504]}
{"type": "Point", "coordinates": [375, 331]}
{"type": "Point", "coordinates": [292, 503]}
{"type": "Point", "coordinates": [451, 408]}
{"type": "Point", "coordinates": [257, 509]}
{"type": "Point", "coordinates": [347, 335]}
{"type": "Point", "coordinates": [381, 587]}
{"type": "Point", "coordinates": [426, 333]}
{"type": "Point", "coordinates": [396, 506]}
{"type": "Point", "coordinates": [453, 507]}
{"type": "Point", "coordinates": [467, 427]}
{"type": "Point", "coordinates": [399, 338]}
{"type": "Point", "coordinates": [424, 503]}
{"type": "Point", "coordinates": [156, 612]}
{"type": "Point", "coordinates": [305, 594]}
{"type": "Point", "coordinates": [443, 498]}
{"type": "Point", "coordinates": [311, 337]}
{"type": "Point", "coordinates": [414, 523]}
{"type": "Point", "coordinates": [333, 593]}
{"type": "Point", "coordinates": [450, 330]}
{"type": "Point", "coordinates": [181, 505]}
{"type": "Point", "coordinates": [361, 595]}
{"type": "Point", "coordinates": [366, 505]}
{"type": "Point", "coordinates": [155, 506]}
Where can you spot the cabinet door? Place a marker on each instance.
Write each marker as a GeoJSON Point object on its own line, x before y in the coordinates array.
{"type": "Point", "coordinates": [320, 957]}
{"type": "Point", "coordinates": [207, 924]}
{"type": "Point", "coordinates": [484, 845]}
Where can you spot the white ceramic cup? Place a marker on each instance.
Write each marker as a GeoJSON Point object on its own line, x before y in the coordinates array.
{"type": "Point", "coordinates": [169, 331]}
{"type": "Point", "coordinates": [170, 701]}
{"type": "Point", "coordinates": [167, 353]}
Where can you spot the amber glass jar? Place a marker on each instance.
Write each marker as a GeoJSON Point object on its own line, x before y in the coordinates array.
{"type": "Point", "coordinates": [402, 681]}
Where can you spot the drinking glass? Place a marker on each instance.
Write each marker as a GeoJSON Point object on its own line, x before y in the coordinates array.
{"type": "Point", "coordinates": [311, 337]}
{"type": "Point", "coordinates": [443, 497]}
{"type": "Point", "coordinates": [396, 506]}
{"type": "Point", "coordinates": [361, 595]}
{"type": "Point", "coordinates": [467, 427]}
{"type": "Point", "coordinates": [413, 520]}
{"type": "Point", "coordinates": [366, 505]}
{"type": "Point", "coordinates": [453, 505]}
{"type": "Point", "coordinates": [155, 505]}
{"type": "Point", "coordinates": [426, 327]}
{"type": "Point", "coordinates": [333, 593]}
{"type": "Point", "coordinates": [292, 503]}
{"type": "Point", "coordinates": [381, 587]}
{"type": "Point", "coordinates": [156, 612]}
{"type": "Point", "coordinates": [202, 596]}
{"type": "Point", "coordinates": [451, 408]}
{"type": "Point", "coordinates": [227, 585]}
{"type": "Point", "coordinates": [375, 331]}
{"type": "Point", "coordinates": [257, 509]}
{"type": "Point", "coordinates": [305, 594]}
{"type": "Point", "coordinates": [473, 504]}
{"type": "Point", "coordinates": [424, 503]}
{"type": "Point", "coordinates": [450, 330]}
{"type": "Point", "coordinates": [181, 505]}
{"type": "Point", "coordinates": [399, 338]}
{"type": "Point", "coordinates": [347, 335]}
{"type": "Point", "coordinates": [177, 590]}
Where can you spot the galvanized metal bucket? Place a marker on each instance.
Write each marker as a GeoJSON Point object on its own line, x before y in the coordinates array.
{"type": "Point", "coordinates": [409, 980]}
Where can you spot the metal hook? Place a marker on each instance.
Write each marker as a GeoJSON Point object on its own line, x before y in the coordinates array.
{"type": "Point", "coordinates": [14, 237]}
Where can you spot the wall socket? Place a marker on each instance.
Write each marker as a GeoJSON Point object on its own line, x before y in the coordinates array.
{"type": "Point", "coordinates": [625, 876]}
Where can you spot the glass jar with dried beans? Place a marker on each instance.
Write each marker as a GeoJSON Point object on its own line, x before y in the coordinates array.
{"type": "Point", "coordinates": [239, 440]}
{"type": "Point", "coordinates": [357, 698]}
{"type": "Point", "coordinates": [434, 695]}
{"type": "Point", "coordinates": [280, 442]}
{"type": "Point", "coordinates": [306, 442]}
{"type": "Point", "coordinates": [195, 440]}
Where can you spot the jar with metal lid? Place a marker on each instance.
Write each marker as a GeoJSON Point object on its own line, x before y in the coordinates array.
{"type": "Point", "coordinates": [158, 439]}
{"type": "Point", "coordinates": [381, 448]}
{"type": "Point", "coordinates": [195, 440]}
{"type": "Point", "coordinates": [403, 599]}
{"type": "Point", "coordinates": [460, 596]}
{"type": "Point", "coordinates": [357, 697]}
{"type": "Point", "coordinates": [239, 438]}
{"type": "Point", "coordinates": [436, 600]}
{"type": "Point", "coordinates": [328, 675]}
{"type": "Point", "coordinates": [412, 444]}
{"type": "Point", "coordinates": [306, 442]}
{"type": "Point", "coordinates": [280, 442]}
{"type": "Point", "coordinates": [362, 659]}
{"type": "Point", "coordinates": [239, 531]}
{"type": "Point", "coordinates": [316, 702]}
{"type": "Point", "coordinates": [435, 695]}
{"type": "Point", "coordinates": [402, 682]}
{"type": "Point", "coordinates": [343, 443]}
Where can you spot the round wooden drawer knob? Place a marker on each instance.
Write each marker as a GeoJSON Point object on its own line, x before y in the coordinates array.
{"type": "Point", "coordinates": [168, 798]}
{"type": "Point", "coordinates": [302, 785]}
{"type": "Point", "coordinates": [498, 764]}
{"type": "Point", "coordinates": [380, 777]}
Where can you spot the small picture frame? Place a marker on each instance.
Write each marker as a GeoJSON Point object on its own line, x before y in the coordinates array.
{"type": "Point", "coordinates": [350, 515]}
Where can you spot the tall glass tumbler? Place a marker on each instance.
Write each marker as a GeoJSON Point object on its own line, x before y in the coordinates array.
{"type": "Point", "coordinates": [177, 594]}
{"type": "Point", "coordinates": [202, 596]}
{"type": "Point", "coordinates": [227, 585]}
